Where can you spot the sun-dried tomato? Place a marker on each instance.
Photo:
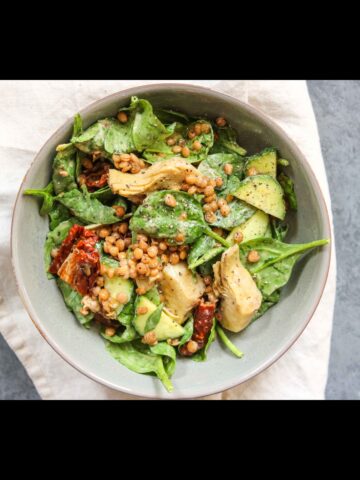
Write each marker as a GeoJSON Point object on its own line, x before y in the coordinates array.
{"type": "Point", "coordinates": [96, 177]}
{"type": "Point", "coordinates": [203, 322]}
{"type": "Point", "coordinates": [77, 261]}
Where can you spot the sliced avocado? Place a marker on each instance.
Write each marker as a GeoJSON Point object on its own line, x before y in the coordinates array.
{"type": "Point", "coordinates": [268, 233]}
{"type": "Point", "coordinates": [255, 227]}
{"type": "Point", "coordinates": [118, 285]}
{"type": "Point", "coordinates": [264, 193]}
{"type": "Point", "coordinates": [264, 162]}
{"type": "Point", "coordinates": [166, 328]}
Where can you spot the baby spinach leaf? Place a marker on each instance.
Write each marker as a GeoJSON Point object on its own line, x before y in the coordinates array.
{"type": "Point", "coordinates": [154, 318]}
{"type": "Point", "coordinates": [147, 127]}
{"type": "Point", "coordinates": [188, 331]}
{"type": "Point", "coordinates": [153, 295]}
{"type": "Point", "coordinates": [72, 300]}
{"type": "Point", "coordinates": [226, 142]}
{"type": "Point", "coordinates": [63, 176]}
{"type": "Point", "coordinates": [58, 214]}
{"type": "Point", "coordinates": [157, 219]}
{"type": "Point", "coordinates": [46, 195]}
{"type": "Point", "coordinates": [277, 260]}
{"type": "Point", "coordinates": [239, 213]}
{"type": "Point", "coordinates": [103, 194]}
{"type": "Point", "coordinates": [78, 126]}
{"type": "Point", "coordinates": [170, 116]}
{"type": "Point", "coordinates": [204, 249]}
{"type": "Point", "coordinates": [55, 239]}
{"type": "Point", "coordinates": [201, 355]}
{"type": "Point", "coordinates": [87, 209]}
{"type": "Point", "coordinates": [267, 303]}
{"type": "Point", "coordinates": [169, 356]}
{"type": "Point", "coordinates": [228, 343]}
{"type": "Point", "coordinates": [160, 150]}
{"type": "Point", "coordinates": [126, 315]}
{"type": "Point", "coordinates": [288, 187]}
{"type": "Point", "coordinates": [278, 229]}
{"type": "Point", "coordinates": [140, 361]}
{"type": "Point", "coordinates": [213, 167]}
{"type": "Point", "coordinates": [126, 335]}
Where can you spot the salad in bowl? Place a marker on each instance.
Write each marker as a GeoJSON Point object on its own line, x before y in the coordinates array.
{"type": "Point", "coordinates": [165, 234]}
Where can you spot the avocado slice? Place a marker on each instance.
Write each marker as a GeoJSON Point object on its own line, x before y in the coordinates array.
{"type": "Point", "coordinates": [118, 285]}
{"type": "Point", "coordinates": [166, 328]}
{"type": "Point", "coordinates": [264, 162]}
{"type": "Point", "coordinates": [263, 192]}
{"type": "Point", "coordinates": [254, 227]}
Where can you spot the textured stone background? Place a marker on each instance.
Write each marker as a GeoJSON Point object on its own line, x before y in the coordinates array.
{"type": "Point", "coordinates": [337, 107]}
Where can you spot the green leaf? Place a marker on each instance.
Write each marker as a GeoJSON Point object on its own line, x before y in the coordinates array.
{"type": "Point", "coordinates": [278, 229]}
{"type": "Point", "coordinates": [228, 343]}
{"type": "Point", "coordinates": [188, 331]}
{"type": "Point", "coordinates": [126, 315]}
{"type": "Point", "coordinates": [156, 219]}
{"type": "Point", "coordinates": [104, 195]}
{"type": "Point", "coordinates": [169, 356]}
{"type": "Point", "coordinates": [213, 167]}
{"type": "Point", "coordinates": [239, 213]}
{"type": "Point", "coordinates": [277, 260]}
{"type": "Point", "coordinates": [289, 190]}
{"type": "Point", "coordinates": [73, 301]}
{"type": "Point", "coordinates": [140, 361]}
{"type": "Point", "coordinates": [89, 210]}
{"type": "Point", "coordinates": [78, 126]}
{"type": "Point", "coordinates": [153, 295]}
{"type": "Point", "coordinates": [64, 164]}
{"type": "Point", "coordinates": [55, 239]}
{"type": "Point", "coordinates": [226, 142]}
{"type": "Point", "coordinates": [267, 303]}
{"type": "Point", "coordinates": [46, 195]}
{"type": "Point", "coordinates": [161, 147]}
{"type": "Point", "coordinates": [204, 249]}
{"type": "Point", "coordinates": [201, 355]}
{"type": "Point", "coordinates": [153, 319]}
{"type": "Point", "coordinates": [170, 116]}
{"type": "Point", "coordinates": [147, 127]}
{"type": "Point", "coordinates": [58, 214]}
{"type": "Point", "coordinates": [126, 335]}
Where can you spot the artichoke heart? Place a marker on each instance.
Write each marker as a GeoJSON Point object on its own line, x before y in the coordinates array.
{"type": "Point", "coordinates": [182, 290]}
{"type": "Point", "coordinates": [240, 297]}
{"type": "Point", "coordinates": [164, 175]}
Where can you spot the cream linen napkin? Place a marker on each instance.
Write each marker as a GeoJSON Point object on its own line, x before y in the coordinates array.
{"type": "Point", "coordinates": [30, 111]}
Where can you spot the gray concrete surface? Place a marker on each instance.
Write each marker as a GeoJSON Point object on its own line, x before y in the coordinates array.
{"type": "Point", "coordinates": [337, 107]}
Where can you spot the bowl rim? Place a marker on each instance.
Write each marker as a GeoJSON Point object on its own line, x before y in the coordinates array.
{"type": "Point", "coordinates": [257, 113]}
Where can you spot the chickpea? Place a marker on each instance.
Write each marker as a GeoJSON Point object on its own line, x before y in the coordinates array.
{"type": "Point", "coordinates": [141, 268]}
{"type": "Point", "coordinates": [138, 253]}
{"type": "Point", "coordinates": [96, 291]}
{"type": "Point", "coordinates": [252, 171]}
{"type": "Point", "coordinates": [219, 181]}
{"type": "Point", "coordinates": [125, 157]}
{"type": "Point", "coordinates": [63, 173]}
{"type": "Point", "coordinates": [205, 128]}
{"type": "Point", "coordinates": [103, 269]}
{"type": "Point", "coordinates": [152, 252]}
{"type": "Point", "coordinates": [119, 211]}
{"type": "Point", "coordinates": [54, 252]}
{"type": "Point", "coordinates": [100, 281]}
{"type": "Point", "coordinates": [177, 149]}
{"type": "Point", "coordinates": [153, 263]}
{"type": "Point", "coordinates": [192, 346]}
{"type": "Point", "coordinates": [207, 279]}
{"type": "Point", "coordinates": [142, 310]}
{"type": "Point", "coordinates": [190, 179]}
{"type": "Point", "coordinates": [212, 182]}
{"type": "Point", "coordinates": [154, 272]}
{"type": "Point", "coordinates": [210, 199]}
{"type": "Point", "coordinates": [229, 198]}
{"type": "Point", "coordinates": [170, 200]}
{"type": "Point", "coordinates": [111, 272]}
{"type": "Point", "coordinates": [253, 256]}
{"type": "Point", "coordinates": [141, 291]}
{"type": "Point", "coordinates": [104, 232]}
{"type": "Point", "coordinates": [225, 210]}
{"type": "Point", "coordinates": [103, 295]}
{"type": "Point", "coordinates": [185, 152]}
{"type": "Point", "coordinates": [183, 216]}
{"type": "Point", "coordinates": [199, 182]}
{"type": "Point", "coordinates": [220, 122]}
{"type": "Point", "coordinates": [185, 187]}
{"type": "Point", "coordinates": [122, 271]}
{"type": "Point", "coordinates": [127, 241]}
{"type": "Point", "coordinates": [145, 259]}
{"type": "Point", "coordinates": [182, 142]}
{"type": "Point", "coordinates": [183, 255]}
{"type": "Point", "coordinates": [113, 304]}
{"type": "Point", "coordinates": [191, 134]}
{"type": "Point", "coordinates": [164, 258]}
{"type": "Point", "coordinates": [228, 168]}
{"type": "Point", "coordinates": [122, 117]}
{"type": "Point", "coordinates": [133, 157]}
{"type": "Point", "coordinates": [171, 141]}
{"type": "Point", "coordinates": [238, 237]}
{"type": "Point", "coordinates": [207, 207]}
{"type": "Point", "coordinates": [132, 273]}
{"type": "Point", "coordinates": [180, 237]}
{"type": "Point", "coordinates": [135, 169]}
{"type": "Point", "coordinates": [110, 331]}
{"type": "Point", "coordinates": [110, 239]}
{"type": "Point", "coordinates": [173, 248]}
{"type": "Point", "coordinates": [141, 236]}
{"type": "Point", "coordinates": [192, 190]}
{"type": "Point", "coordinates": [120, 245]}
{"type": "Point", "coordinates": [213, 206]}
{"type": "Point", "coordinates": [162, 246]}
{"type": "Point", "coordinates": [197, 128]}
{"type": "Point", "coordinates": [174, 258]}
{"type": "Point", "coordinates": [196, 145]}
{"type": "Point", "coordinates": [84, 311]}
{"type": "Point", "coordinates": [209, 190]}
{"type": "Point", "coordinates": [221, 202]}
{"type": "Point", "coordinates": [114, 251]}
{"type": "Point", "coordinates": [107, 247]}
{"type": "Point", "coordinates": [123, 228]}
{"type": "Point", "coordinates": [141, 163]}
{"type": "Point", "coordinates": [149, 338]}
{"type": "Point", "coordinates": [122, 298]}
{"type": "Point", "coordinates": [86, 163]}
{"type": "Point", "coordinates": [210, 217]}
